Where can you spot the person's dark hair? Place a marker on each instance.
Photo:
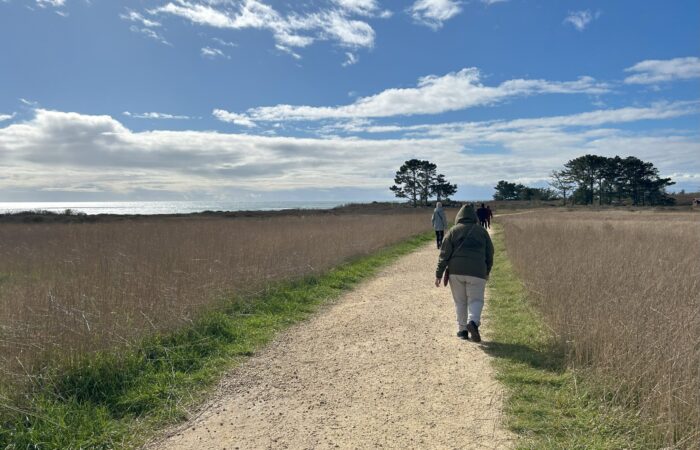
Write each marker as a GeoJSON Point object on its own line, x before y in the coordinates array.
{"type": "Point", "coordinates": [482, 205]}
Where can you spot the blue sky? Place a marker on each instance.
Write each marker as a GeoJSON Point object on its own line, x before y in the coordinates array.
{"type": "Point", "coordinates": [323, 100]}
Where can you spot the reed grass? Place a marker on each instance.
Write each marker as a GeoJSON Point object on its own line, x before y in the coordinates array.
{"type": "Point", "coordinates": [67, 290]}
{"type": "Point", "coordinates": [620, 291]}
{"type": "Point", "coordinates": [549, 405]}
{"type": "Point", "coordinates": [119, 398]}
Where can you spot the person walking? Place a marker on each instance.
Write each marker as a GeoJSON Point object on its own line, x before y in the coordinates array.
{"type": "Point", "coordinates": [467, 257]}
{"type": "Point", "coordinates": [489, 216]}
{"type": "Point", "coordinates": [482, 213]}
{"type": "Point", "coordinates": [439, 223]}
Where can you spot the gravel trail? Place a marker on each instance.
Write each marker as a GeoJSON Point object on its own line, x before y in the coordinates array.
{"type": "Point", "coordinates": [379, 368]}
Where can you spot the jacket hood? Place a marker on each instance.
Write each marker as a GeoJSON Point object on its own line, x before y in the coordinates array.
{"type": "Point", "coordinates": [466, 215]}
{"type": "Point", "coordinates": [438, 208]}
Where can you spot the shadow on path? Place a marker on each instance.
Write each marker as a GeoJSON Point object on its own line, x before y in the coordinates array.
{"type": "Point", "coordinates": [550, 359]}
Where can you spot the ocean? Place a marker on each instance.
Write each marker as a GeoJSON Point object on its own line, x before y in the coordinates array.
{"type": "Point", "coordinates": [154, 207]}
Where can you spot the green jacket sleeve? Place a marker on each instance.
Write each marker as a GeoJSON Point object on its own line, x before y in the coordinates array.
{"type": "Point", "coordinates": [445, 255]}
{"type": "Point", "coordinates": [489, 254]}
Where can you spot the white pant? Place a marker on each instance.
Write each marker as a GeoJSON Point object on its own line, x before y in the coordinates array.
{"type": "Point", "coordinates": [468, 294]}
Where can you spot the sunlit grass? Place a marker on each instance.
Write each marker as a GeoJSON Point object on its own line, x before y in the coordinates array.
{"type": "Point", "coordinates": [613, 299]}
{"type": "Point", "coordinates": [117, 398]}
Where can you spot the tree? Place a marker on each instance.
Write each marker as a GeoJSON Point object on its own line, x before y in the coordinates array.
{"type": "Point", "coordinates": [561, 183]}
{"type": "Point", "coordinates": [614, 178]}
{"type": "Point", "coordinates": [533, 193]}
{"type": "Point", "coordinates": [637, 175]}
{"type": "Point", "coordinates": [426, 178]}
{"type": "Point", "coordinates": [507, 191]}
{"type": "Point", "coordinates": [591, 177]}
{"type": "Point", "coordinates": [407, 182]}
{"type": "Point", "coordinates": [585, 171]}
{"type": "Point", "coordinates": [442, 188]}
{"type": "Point", "coordinates": [418, 180]}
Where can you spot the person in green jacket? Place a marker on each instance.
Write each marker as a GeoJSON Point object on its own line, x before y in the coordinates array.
{"type": "Point", "coordinates": [467, 253]}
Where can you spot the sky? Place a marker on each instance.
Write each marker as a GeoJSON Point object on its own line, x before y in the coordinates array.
{"type": "Point", "coordinates": [105, 100]}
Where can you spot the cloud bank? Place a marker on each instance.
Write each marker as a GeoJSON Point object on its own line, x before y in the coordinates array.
{"type": "Point", "coordinates": [62, 151]}
{"type": "Point", "coordinates": [432, 95]}
{"type": "Point", "coordinates": [292, 30]}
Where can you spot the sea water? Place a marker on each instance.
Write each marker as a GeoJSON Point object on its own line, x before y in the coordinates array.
{"type": "Point", "coordinates": [162, 207]}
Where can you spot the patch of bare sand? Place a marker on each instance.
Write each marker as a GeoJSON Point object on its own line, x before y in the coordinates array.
{"type": "Point", "coordinates": [380, 368]}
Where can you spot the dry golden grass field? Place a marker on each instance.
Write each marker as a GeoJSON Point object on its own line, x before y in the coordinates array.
{"type": "Point", "coordinates": [67, 289]}
{"type": "Point", "coordinates": [621, 291]}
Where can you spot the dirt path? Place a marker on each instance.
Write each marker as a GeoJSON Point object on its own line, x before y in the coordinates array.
{"type": "Point", "coordinates": [381, 368]}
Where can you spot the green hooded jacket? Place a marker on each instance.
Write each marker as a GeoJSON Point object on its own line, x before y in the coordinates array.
{"type": "Point", "coordinates": [467, 248]}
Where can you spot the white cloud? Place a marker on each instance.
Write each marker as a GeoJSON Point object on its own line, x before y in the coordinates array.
{"type": "Point", "coordinates": [155, 115]}
{"type": "Point", "coordinates": [433, 95]}
{"type": "Point", "coordinates": [4, 117]}
{"type": "Point", "coordinates": [150, 33]}
{"type": "Point", "coordinates": [293, 30]}
{"type": "Point", "coordinates": [224, 43]}
{"type": "Point", "coordinates": [59, 150]}
{"type": "Point", "coordinates": [434, 13]}
{"type": "Point", "coordinates": [288, 51]}
{"type": "Point", "coordinates": [581, 19]}
{"type": "Point", "coordinates": [351, 59]}
{"type": "Point", "coordinates": [476, 131]}
{"type": "Point", "coordinates": [492, 2]}
{"type": "Point", "coordinates": [211, 52]}
{"type": "Point", "coordinates": [26, 102]}
{"type": "Point", "coordinates": [350, 33]}
{"type": "Point", "coordinates": [96, 150]}
{"type": "Point", "coordinates": [467, 131]}
{"type": "Point", "coordinates": [657, 111]}
{"type": "Point", "coordinates": [50, 3]}
{"type": "Point", "coordinates": [237, 119]}
{"type": "Point", "coordinates": [134, 16]}
{"type": "Point", "coordinates": [658, 71]}
{"type": "Point", "coordinates": [144, 25]}
{"type": "Point", "coordinates": [363, 7]}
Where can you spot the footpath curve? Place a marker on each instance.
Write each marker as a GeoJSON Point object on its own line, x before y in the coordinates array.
{"type": "Point", "coordinates": [379, 368]}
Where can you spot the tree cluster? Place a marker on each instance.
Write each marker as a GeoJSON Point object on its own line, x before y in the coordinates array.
{"type": "Point", "coordinates": [604, 180]}
{"type": "Point", "coordinates": [590, 178]}
{"type": "Point", "coordinates": [418, 181]}
{"type": "Point", "coordinates": [512, 191]}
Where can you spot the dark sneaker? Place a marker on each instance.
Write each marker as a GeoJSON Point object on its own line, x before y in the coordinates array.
{"type": "Point", "coordinates": [463, 334]}
{"type": "Point", "coordinates": [474, 330]}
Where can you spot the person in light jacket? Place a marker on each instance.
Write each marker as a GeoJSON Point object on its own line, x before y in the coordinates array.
{"type": "Point", "coordinates": [439, 223]}
{"type": "Point", "coordinates": [467, 252]}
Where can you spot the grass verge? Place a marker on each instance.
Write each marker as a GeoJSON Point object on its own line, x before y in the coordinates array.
{"type": "Point", "coordinates": [547, 405]}
{"type": "Point", "coordinates": [118, 399]}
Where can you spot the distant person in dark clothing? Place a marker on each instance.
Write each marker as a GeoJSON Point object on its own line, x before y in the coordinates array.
{"type": "Point", "coordinates": [489, 217]}
{"type": "Point", "coordinates": [482, 214]}
{"type": "Point", "coordinates": [439, 223]}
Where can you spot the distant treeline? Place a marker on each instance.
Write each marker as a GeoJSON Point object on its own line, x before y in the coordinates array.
{"type": "Point", "coordinates": [594, 179]}
{"type": "Point", "coordinates": [516, 191]}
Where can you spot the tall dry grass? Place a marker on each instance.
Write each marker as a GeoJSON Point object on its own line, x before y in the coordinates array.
{"type": "Point", "coordinates": [70, 289]}
{"type": "Point", "coordinates": [622, 293]}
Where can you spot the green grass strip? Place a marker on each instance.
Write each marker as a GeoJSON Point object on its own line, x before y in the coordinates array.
{"type": "Point", "coordinates": [119, 399]}
{"type": "Point", "coordinates": [547, 405]}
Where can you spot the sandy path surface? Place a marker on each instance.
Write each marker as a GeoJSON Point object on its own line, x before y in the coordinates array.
{"type": "Point", "coordinates": [379, 368]}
